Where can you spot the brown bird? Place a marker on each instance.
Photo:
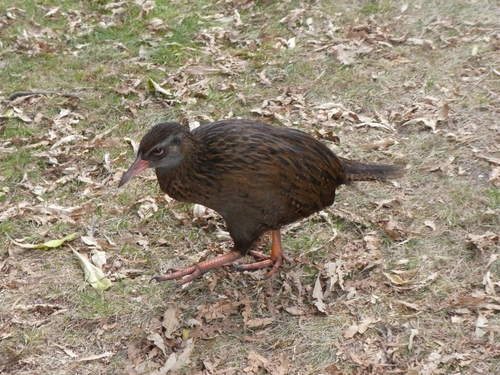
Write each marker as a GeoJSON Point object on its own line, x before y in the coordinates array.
{"type": "Point", "coordinates": [256, 176]}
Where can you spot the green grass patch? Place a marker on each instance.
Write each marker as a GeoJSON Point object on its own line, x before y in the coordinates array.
{"type": "Point", "coordinates": [493, 196]}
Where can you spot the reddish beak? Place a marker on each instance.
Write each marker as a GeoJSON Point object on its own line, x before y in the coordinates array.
{"type": "Point", "coordinates": [136, 168]}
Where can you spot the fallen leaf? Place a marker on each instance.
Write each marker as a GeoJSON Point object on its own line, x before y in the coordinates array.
{"type": "Point", "coordinates": [297, 311]}
{"type": "Point", "coordinates": [199, 210]}
{"type": "Point", "coordinates": [259, 322]}
{"type": "Point", "coordinates": [49, 244]}
{"type": "Point", "coordinates": [395, 279]}
{"type": "Point", "coordinates": [52, 11]}
{"type": "Point", "coordinates": [93, 275]}
{"type": "Point", "coordinates": [413, 306]}
{"type": "Point", "coordinates": [429, 122]}
{"type": "Point", "coordinates": [68, 139]}
{"type": "Point", "coordinates": [430, 224]}
{"type": "Point", "coordinates": [344, 56]}
{"type": "Point", "coordinates": [351, 331]}
{"type": "Point", "coordinates": [443, 112]}
{"type": "Point", "coordinates": [183, 358]}
{"type": "Point", "coordinates": [493, 258]}
{"type": "Point", "coordinates": [98, 257]}
{"type": "Point", "coordinates": [197, 69]}
{"type": "Point", "coordinates": [481, 322]}
{"type": "Point", "coordinates": [171, 321]}
{"type": "Point", "coordinates": [156, 338]}
{"type": "Point", "coordinates": [155, 87]}
{"type": "Point", "coordinates": [413, 333]}
{"type": "Point", "coordinates": [318, 296]}
{"type": "Point", "coordinates": [364, 324]}
{"type": "Point", "coordinates": [381, 144]}
{"type": "Point", "coordinates": [96, 356]}
{"type": "Point", "coordinates": [491, 159]}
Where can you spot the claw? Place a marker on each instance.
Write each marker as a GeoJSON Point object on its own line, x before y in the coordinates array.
{"type": "Point", "coordinates": [187, 275]}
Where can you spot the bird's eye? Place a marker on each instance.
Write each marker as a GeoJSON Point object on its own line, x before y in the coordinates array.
{"type": "Point", "coordinates": [158, 151]}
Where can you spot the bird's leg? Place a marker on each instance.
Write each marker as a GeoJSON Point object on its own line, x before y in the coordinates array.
{"type": "Point", "coordinates": [275, 260]}
{"type": "Point", "coordinates": [199, 269]}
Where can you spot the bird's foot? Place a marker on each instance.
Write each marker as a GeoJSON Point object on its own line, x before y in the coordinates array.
{"type": "Point", "coordinates": [260, 256]}
{"type": "Point", "coordinates": [274, 260]}
{"type": "Point", "coordinates": [264, 261]}
{"type": "Point", "coordinates": [191, 273]}
{"type": "Point", "coordinates": [186, 275]}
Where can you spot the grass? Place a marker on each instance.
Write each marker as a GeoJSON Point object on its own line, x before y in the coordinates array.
{"type": "Point", "coordinates": [493, 196]}
{"type": "Point", "coordinates": [443, 209]}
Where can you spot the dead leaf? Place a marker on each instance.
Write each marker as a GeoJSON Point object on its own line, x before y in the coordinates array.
{"type": "Point", "coordinates": [364, 324]}
{"type": "Point", "coordinates": [443, 112]}
{"type": "Point", "coordinates": [344, 56]}
{"type": "Point", "coordinates": [494, 176]}
{"type": "Point", "coordinates": [413, 306]}
{"type": "Point", "coordinates": [155, 87]}
{"type": "Point", "coordinates": [199, 210]}
{"type": "Point", "coordinates": [68, 139]}
{"type": "Point", "coordinates": [430, 224]}
{"type": "Point", "coordinates": [259, 322]}
{"type": "Point", "coordinates": [69, 352]}
{"type": "Point", "coordinates": [157, 339]}
{"type": "Point", "coordinates": [484, 241]}
{"type": "Point", "coordinates": [396, 279]}
{"type": "Point", "coordinates": [98, 257]}
{"type": "Point", "coordinates": [489, 286]}
{"type": "Point", "coordinates": [318, 296]}
{"type": "Point", "coordinates": [413, 333]}
{"type": "Point", "coordinates": [293, 310]}
{"type": "Point", "coordinates": [171, 321]}
{"type": "Point", "coordinates": [375, 125]}
{"type": "Point", "coordinates": [200, 70]}
{"type": "Point", "coordinates": [51, 12]}
{"type": "Point", "coordinates": [263, 78]}
{"type": "Point", "coordinates": [351, 331]}
{"type": "Point", "coordinates": [491, 159]}
{"type": "Point", "coordinates": [124, 89]}
{"type": "Point", "coordinates": [371, 241]}
{"type": "Point", "coordinates": [183, 358]}
{"type": "Point", "coordinates": [96, 356]}
{"type": "Point", "coordinates": [429, 122]}
{"type": "Point", "coordinates": [493, 258]}
{"type": "Point", "coordinates": [49, 244]}
{"type": "Point", "coordinates": [380, 145]}
{"type": "Point", "coordinates": [481, 323]}
{"type": "Point", "coordinates": [392, 229]}
{"type": "Point", "coordinates": [93, 275]}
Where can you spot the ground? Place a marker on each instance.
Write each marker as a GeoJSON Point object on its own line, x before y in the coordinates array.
{"type": "Point", "coordinates": [394, 278]}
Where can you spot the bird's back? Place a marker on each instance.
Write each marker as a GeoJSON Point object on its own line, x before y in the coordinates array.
{"type": "Point", "coordinates": [277, 175]}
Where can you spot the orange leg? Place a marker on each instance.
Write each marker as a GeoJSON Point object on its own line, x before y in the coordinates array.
{"type": "Point", "coordinates": [189, 274]}
{"type": "Point", "coordinates": [199, 269]}
{"type": "Point", "coordinates": [275, 260]}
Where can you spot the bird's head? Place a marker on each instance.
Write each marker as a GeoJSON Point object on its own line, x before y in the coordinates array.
{"type": "Point", "coordinates": [159, 148]}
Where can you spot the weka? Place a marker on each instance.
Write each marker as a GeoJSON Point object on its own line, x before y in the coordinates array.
{"type": "Point", "coordinates": [256, 176]}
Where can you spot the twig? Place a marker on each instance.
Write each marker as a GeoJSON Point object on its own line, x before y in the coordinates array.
{"type": "Point", "coordinates": [26, 93]}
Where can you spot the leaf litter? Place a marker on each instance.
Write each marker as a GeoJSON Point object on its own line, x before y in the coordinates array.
{"type": "Point", "coordinates": [358, 273]}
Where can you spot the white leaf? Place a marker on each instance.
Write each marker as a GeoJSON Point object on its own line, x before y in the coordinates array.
{"type": "Point", "coordinates": [171, 322]}
{"type": "Point", "coordinates": [98, 257]}
{"type": "Point", "coordinates": [93, 275]}
{"type": "Point", "coordinates": [157, 88]}
{"type": "Point", "coordinates": [318, 296]}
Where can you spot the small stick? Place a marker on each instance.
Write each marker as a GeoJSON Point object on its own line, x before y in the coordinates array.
{"type": "Point", "coordinates": [26, 93]}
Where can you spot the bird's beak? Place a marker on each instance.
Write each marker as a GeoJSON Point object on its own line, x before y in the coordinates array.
{"type": "Point", "coordinates": [136, 168]}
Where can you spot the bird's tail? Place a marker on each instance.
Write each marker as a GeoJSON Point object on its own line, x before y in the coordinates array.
{"type": "Point", "coordinates": [358, 171]}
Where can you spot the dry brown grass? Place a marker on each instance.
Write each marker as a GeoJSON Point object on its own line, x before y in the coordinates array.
{"type": "Point", "coordinates": [414, 255]}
